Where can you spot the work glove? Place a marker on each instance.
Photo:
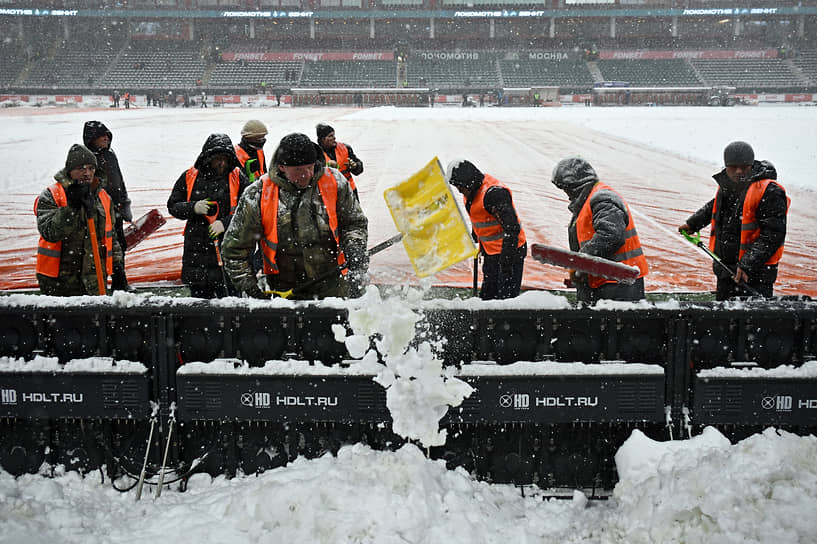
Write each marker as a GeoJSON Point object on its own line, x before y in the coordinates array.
{"type": "Point", "coordinates": [215, 229]}
{"type": "Point", "coordinates": [77, 194]}
{"type": "Point", "coordinates": [126, 213]}
{"type": "Point", "coordinates": [357, 280]}
{"type": "Point", "coordinates": [202, 207]}
{"type": "Point", "coordinates": [332, 164]}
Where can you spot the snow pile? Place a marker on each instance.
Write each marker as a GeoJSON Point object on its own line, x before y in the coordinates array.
{"type": "Point", "coordinates": [418, 389]}
{"type": "Point", "coordinates": [705, 490]}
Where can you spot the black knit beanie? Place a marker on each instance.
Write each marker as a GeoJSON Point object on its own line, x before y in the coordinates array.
{"type": "Point", "coordinates": [296, 149]}
{"type": "Point", "coordinates": [78, 156]}
{"type": "Point", "coordinates": [738, 153]}
{"type": "Point", "coordinates": [323, 131]}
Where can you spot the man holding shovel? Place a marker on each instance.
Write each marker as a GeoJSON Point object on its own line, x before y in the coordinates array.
{"type": "Point", "coordinates": [75, 217]}
{"type": "Point", "coordinates": [312, 230]}
{"type": "Point", "coordinates": [748, 220]}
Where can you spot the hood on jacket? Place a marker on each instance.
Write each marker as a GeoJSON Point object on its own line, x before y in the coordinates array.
{"type": "Point", "coordinates": [93, 130]}
{"type": "Point", "coordinates": [572, 174]}
{"type": "Point", "coordinates": [217, 144]}
{"type": "Point", "coordinates": [463, 175]}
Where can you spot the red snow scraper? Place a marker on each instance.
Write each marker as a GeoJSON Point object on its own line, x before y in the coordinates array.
{"type": "Point", "coordinates": [582, 262]}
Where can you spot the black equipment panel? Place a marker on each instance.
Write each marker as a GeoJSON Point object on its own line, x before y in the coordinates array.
{"type": "Point", "coordinates": [772, 401]}
{"type": "Point", "coordinates": [280, 398]}
{"type": "Point", "coordinates": [41, 395]}
{"type": "Point", "coordinates": [563, 399]}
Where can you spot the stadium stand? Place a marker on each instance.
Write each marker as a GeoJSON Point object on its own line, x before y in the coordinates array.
{"type": "Point", "coordinates": [806, 62]}
{"type": "Point", "coordinates": [651, 72]}
{"type": "Point", "coordinates": [527, 72]}
{"type": "Point", "coordinates": [160, 47]}
{"type": "Point", "coordinates": [349, 73]}
{"type": "Point", "coordinates": [457, 73]}
{"type": "Point", "coordinates": [748, 74]}
{"type": "Point", "coordinates": [251, 74]}
{"type": "Point", "coordinates": [156, 66]}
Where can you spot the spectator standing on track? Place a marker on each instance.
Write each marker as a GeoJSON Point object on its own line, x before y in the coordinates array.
{"type": "Point", "coordinates": [339, 155]}
{"type": "Point", "coordinates": [75, 216]}
{"type": "Point", "coordinates": [748, 219]}
{"type": "Point", "coordinates": [206, 196]}
{"type": "Point", "coordinates": [496, 226]}
{"type": "Point", "coordinates": [97, 137]}
{"type": "Point", "coordinates": [603, 226]}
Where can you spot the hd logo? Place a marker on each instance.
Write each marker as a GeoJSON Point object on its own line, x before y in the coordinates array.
{"type": "Point", "coordinates": [516, 401]}
{"type": "Point", "coordinates": [256, 400]}
{"type": "Point", "coordinates": [8, 396]}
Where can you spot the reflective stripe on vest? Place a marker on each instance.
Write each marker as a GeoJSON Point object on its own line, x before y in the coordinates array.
{"type": "Point", "coordinates": [328, 189]}
{"type": "Point", "coordinates": [342, 158]}
{"type": "Point", "coordinates": [749, 229]}
{"type": "Point", "coordinates": [260, 167]}
{"type": "Point", "coordinates": [49, 253]}
{"type": "Point", "coordinates": [630, 252]}
{"type": "Point", "coordinates": [235, 184]}
{"type": "Point", "coordinates": [487, 228]}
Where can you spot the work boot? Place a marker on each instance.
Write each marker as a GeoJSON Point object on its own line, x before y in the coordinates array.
{"type": "Point", "coordinates": [119, 282]}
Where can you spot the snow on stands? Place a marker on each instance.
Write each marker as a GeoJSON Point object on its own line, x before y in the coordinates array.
{"type": "Point", "coordinates": [660, 159]}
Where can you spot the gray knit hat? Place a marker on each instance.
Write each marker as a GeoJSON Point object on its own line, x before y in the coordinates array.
{"type": "Point", "coordinates": [78, 156]}
{"type": "Point", "coordinates": [738, 153]}
{"type": "Point", "coordinates": [254, 129]}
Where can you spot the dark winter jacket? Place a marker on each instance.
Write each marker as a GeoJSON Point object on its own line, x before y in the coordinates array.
{"type": "Point", "coordinates": [357, 169]}
{"type": "Point", "coordinates": [70, 226]}
{"type": "Point", "coordinates": [199, 261]}
{"type": "Point", "coordinates": [499, 203]}
{"type": "Point", "coordinates": [108, 168]}
{"type": "Point", "coordinates": [577, 178]}
{"type": "Point", "coordinates": [771, 219]}
{"type": "Point", "coordinates": [306, 247]}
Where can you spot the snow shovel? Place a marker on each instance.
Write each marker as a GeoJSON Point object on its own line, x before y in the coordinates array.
{"type": "Point", "coordinates": [425, 210]}
{"type": "Point", "coordinates": [142, 228]}
{"type": "Point", "coordinates": [696, 239]}
{"type": "Point", "coordinates": [301, 288]}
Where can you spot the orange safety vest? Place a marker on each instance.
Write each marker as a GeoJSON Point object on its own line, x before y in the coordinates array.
{"type": "Point", "coordinates": [260, 168]}
{"type": "Point", "coordinates": [487, 228]}
{"type": "Point", "coordinates": [342, 158]}
{"type": "Point", "coordinates": [235, 184]}
{"type": "Point", "coordinates": [49, 253]}
{"type": "Point", "coordinates": [749, 230]}
{"type": "Point", "coordinates": [328, 188]}
{"type": "Point", "coordinates": [630, 253]}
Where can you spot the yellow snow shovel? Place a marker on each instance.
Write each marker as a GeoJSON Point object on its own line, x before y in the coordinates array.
{"type": "Point", "coordinates": [434, 230]}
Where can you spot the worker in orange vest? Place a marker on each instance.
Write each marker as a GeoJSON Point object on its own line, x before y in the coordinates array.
{"type": "Point", "coordinates": [748, 222]}
{"type": "Point", "coordinates": [312, 230]}
{"type": "Point", "coordinates": [206, 196]}
{"type": "Point", "coordinates": [339, 155]}
{"type": "Point", "coordinates": [496, 227]}
{"type": "Point", "coordinates": [77, 250]}
{"type": "Point", "coordinates": [602, 226]}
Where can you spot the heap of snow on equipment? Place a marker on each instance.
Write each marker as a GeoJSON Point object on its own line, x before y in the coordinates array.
{"type": "Point", "coordinates": [154, 389]}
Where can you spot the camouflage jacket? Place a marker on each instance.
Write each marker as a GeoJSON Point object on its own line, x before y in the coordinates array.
{"type": "Point", "coordinates": [306, 247]}
{"type": "Point", "coordinates": [69, 226]}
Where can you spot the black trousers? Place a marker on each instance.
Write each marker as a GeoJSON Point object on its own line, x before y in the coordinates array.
{"type": "Point", "coordinates": [611, 291]}
{"type": "Point", "coordinates": [500, 282]}
{"type": "Point", "coordinates": [727, 288]}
